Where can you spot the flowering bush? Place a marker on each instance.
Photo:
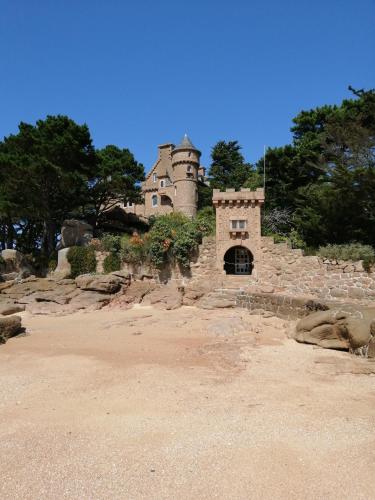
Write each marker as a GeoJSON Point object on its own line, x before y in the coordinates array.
{"type": "Point", "coordinates": [172, 238]}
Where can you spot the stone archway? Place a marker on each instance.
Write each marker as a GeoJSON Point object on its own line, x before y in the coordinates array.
{"type": "Point", "coordinates": [238, 260]}
{"type": "Point", "coordinates": [166, 201]}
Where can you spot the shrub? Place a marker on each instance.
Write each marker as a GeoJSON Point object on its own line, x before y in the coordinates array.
{"type": "Point", "coordinates": [52, 264]}
{"type": "Point", "coordinates": [293, 238]}
{"type": "Point", "coordinates": [111, 243]}
{"type": "Point", "coordinates": [82, 260]}
{"type": "Point", "coordinates": [112, 263]}
{"type": "Point", "coordinates": [206, 221]}
{"type": "Point", "coordinates": [296, 240]}
{"type": "Point", "coordinates": [278, 221]}
{"type": "Point", "coordinates": [349, 251]}
{"type": "Point", "coordinates": [173, 237]}
{"type": "Point", "coordinates": [96, 244]}
{"type": "Point", "coordinates": [134, 249]}
{"type": "Point", "coordinates": [186, 243]}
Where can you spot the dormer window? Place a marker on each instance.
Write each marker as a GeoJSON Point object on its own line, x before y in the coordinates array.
{"type": "Point", "coordinates": [154, 177]}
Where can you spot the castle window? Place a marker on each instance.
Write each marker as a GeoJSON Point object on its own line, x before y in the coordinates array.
{"type": "Point", "coordinates": [129, 204]}
{"type": "Point", "coordinates": [189, 168]}
{"type": "Point", "coordinates": [154, 200]}
{"type": "Point", "coordinates": [154, 177]}
{"type": "Point", "coordinates": [161, 184]}
{"type": "Point", "coordinates": [238, 225]}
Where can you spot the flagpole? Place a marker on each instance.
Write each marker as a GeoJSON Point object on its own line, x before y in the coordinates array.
{"type": "Point", "coordinates": [264, 167]}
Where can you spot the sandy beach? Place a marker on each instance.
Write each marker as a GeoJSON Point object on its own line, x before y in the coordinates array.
{"type": "Point", "coordinates": [184, 404]}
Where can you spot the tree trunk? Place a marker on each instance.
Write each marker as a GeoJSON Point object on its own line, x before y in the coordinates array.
{"type": "Point", "coordinates": [49, 238]}
{"type": "Point", "coordinates": [9, 233]}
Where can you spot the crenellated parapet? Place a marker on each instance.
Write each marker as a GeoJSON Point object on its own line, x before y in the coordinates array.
{"type": "Point", "coordinates": [238, 230]}
{"type": "Point", "coordinates": [244, 197]}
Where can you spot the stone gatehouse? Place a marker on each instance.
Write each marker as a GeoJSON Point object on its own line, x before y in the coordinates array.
{"type": "Point", "coordinates": [238, 230]}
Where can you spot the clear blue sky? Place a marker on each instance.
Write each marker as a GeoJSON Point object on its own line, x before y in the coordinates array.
{"type": "Point", "coordinates": [141, 73]}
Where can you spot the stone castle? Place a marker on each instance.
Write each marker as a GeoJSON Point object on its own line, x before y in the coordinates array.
{"type": "Point", "coordinates": [239, 248]}
{"type": "Point", "coordinates": [172, 183]}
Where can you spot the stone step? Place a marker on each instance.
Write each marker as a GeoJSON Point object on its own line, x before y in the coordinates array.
{"type": "Point", "coordinates": [217, 299]}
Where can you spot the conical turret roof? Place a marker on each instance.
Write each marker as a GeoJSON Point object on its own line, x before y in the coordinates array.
{"type": "Point", "coordinates": [186, 144]}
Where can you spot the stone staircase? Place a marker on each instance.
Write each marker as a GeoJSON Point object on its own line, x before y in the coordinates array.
{"type": "Point", "coordinates": [235, 281]}
{"type": "Point", "coordinates": [225, 294]}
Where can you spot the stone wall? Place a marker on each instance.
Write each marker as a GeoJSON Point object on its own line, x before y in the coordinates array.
{"type": "Point", "coordinates": [283, 306]}
{"type": "Point", "coordinates": [204, 269]}
{"type": "Point", "coordinates": [279, 269]}
{"type": "Point", "coordinates": [288, 270]}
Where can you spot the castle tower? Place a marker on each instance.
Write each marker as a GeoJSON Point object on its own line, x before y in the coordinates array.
{"type": "Point", "coordinates": [185, 164]}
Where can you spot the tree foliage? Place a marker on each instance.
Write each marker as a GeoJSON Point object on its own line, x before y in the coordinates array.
{"type": "Point", "coordinates": [43, 170]}
{"type": "Point", "coordinates": [50, 171]}
{"type": "Point", "coordinates": [228, 168]}
{"type": "Point", "coordinates": [326, 177]}
{"type": "Point", "coordinates": [116, 180]}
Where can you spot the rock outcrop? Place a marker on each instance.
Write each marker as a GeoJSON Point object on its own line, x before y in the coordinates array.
{"type": "Point", "coordinates": [75, 233]}
{"type": "Point", "coordinates": [134, 294]}
{"type": "Point", "coordinates": [336, 329]}
{"type": "Point", "coordinates": [9, 327]}
{"type": "Point", "coordinates": [105, 283]}
{"type": "Point", "coordinates": [14, 265]}
{"type": "Point", "coordinates": [9, 308]}
{"type": "Point", "coordinates": [61, 296]}
{"type": "Point", "coordinates": [164, 297]}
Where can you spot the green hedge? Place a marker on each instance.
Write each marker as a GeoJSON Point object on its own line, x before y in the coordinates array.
{"type": "Point", "coordinates": [82, 260]}
{"type": "Point", "coordinates": [350, 251]}
{"type": "Point", "coordinates": [112, 263]}
{"type": "Point", "coordinates": [110, 243]}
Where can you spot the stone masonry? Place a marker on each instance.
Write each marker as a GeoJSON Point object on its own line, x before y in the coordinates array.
{"type": "Point", "coordinates": [238, 224]}
{"type": "Point", "coordinates": [172, 183]}
{"type": "Point", "coordinates": [289, 270]}
{"type": "Point", "coordinates": [285, 271]}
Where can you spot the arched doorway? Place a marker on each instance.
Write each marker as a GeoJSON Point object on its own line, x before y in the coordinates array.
{"type": "Point", "coordinates": [238, 260]}
{"type": "Point", "coordinates": [166, 201]}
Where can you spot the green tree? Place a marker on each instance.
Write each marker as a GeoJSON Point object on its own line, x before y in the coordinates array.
{"type": "Point", "coordinates": [327, 176]}
{"type": "Point", "coordinates": [204, 195]}
{"type": "Point", "coordinates": [117, 180]}
{"type": "Point", "coordinates": [228, 168]}
{"type": "Point", "coordinates": [44, 169]}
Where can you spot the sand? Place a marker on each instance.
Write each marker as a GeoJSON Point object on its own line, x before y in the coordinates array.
{"type": "Point", "coordinates": [184, 404]}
